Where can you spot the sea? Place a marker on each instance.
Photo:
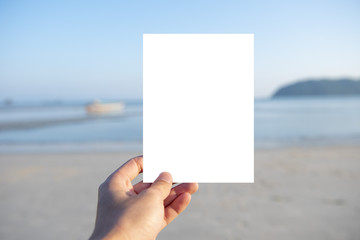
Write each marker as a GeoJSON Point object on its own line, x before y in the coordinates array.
{"type": "Point", "coordinates": [65, 126]}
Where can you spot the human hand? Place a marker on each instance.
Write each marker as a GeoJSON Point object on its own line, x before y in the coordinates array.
{"type": "Point", "coordinates": [141, 211]}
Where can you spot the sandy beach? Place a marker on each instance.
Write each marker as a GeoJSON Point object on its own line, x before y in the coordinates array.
{"type": "Point", "coordinates": [299, 193]}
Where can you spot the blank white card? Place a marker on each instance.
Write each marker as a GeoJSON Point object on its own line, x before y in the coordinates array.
{"type": "Point", "coordinates": [198, 107]}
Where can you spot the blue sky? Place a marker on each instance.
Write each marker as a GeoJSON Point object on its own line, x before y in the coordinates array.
{"type": "Point", "coordinates": [93, 49]}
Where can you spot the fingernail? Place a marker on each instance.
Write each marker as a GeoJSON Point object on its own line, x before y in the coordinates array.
{"type": "Point", "coordinates": [165, 176]}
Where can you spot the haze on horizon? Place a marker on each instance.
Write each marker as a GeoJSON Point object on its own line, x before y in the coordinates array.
{"type": "Point", "coordinates": [85, 50]}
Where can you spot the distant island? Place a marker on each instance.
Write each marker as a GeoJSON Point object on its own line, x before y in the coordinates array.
{"type": "Point", "coordinates": [320, 87]}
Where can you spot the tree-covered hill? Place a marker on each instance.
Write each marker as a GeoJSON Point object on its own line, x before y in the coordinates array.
{"type": "Point", "coordinates": [321, 87]}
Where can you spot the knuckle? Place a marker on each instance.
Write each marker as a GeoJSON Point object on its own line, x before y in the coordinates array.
{"type": "Point", "coordinates": [101, 187]}
{"type": "Point", "coordinates": [104, 186]}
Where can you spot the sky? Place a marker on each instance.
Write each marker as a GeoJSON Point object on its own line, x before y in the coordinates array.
{"type": "Point", "coordinates": [72, 50]}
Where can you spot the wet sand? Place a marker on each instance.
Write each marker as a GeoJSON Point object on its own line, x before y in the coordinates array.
{"type": "Point", "coordinates": [299, 193]}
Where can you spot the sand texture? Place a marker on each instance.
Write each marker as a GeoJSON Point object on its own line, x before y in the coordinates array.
{"type": "Point", "coordinates": [299, 193]}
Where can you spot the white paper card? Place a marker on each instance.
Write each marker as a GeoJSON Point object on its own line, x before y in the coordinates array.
{"type": "Point", "coordinates": [198, 107]}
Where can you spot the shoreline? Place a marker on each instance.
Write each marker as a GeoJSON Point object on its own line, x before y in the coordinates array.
{"type": "Point", "coordinates": [70, 147]}
{"type": "Point", "coordinates": [137, 146]}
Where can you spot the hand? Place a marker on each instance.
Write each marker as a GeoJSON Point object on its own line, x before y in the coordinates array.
{"type": "Point", "coordinates": [141, 211]}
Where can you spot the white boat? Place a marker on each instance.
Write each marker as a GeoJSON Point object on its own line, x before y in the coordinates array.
{"type": "Point", "coordinates": [101, 108]}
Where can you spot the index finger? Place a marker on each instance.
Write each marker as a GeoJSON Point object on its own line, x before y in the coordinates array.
{"type": "Point", "coordinates": [130, 169]}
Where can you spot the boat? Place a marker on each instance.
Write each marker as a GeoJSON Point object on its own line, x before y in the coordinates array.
{"type": "Point", "coordinates": [98, 107]}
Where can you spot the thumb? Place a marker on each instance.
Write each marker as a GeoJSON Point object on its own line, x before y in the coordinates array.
{"type": "Point", "coordinates": [163, 184]}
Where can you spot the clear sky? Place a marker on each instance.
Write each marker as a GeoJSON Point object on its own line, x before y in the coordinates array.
{"type": "Point", "coordinates": [93, 49]}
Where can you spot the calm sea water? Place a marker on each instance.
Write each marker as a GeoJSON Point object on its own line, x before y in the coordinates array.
{"type": "Point", "coordinates": [307, 121]}
{"type": "Point", "coordinates": [278, 122]}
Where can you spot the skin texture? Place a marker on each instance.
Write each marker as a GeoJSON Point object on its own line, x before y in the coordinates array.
{"type": "Point", "coordinates": [141, 211]}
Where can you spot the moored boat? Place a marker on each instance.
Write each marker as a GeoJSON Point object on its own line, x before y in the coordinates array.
{"type": "Point", "coordinates": [100, 108]}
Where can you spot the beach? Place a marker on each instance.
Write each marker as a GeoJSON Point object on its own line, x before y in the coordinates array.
{"type": "Point", "coordinates": [299, 193]}
{"type": "Point", "coordinates": [86, 86]}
